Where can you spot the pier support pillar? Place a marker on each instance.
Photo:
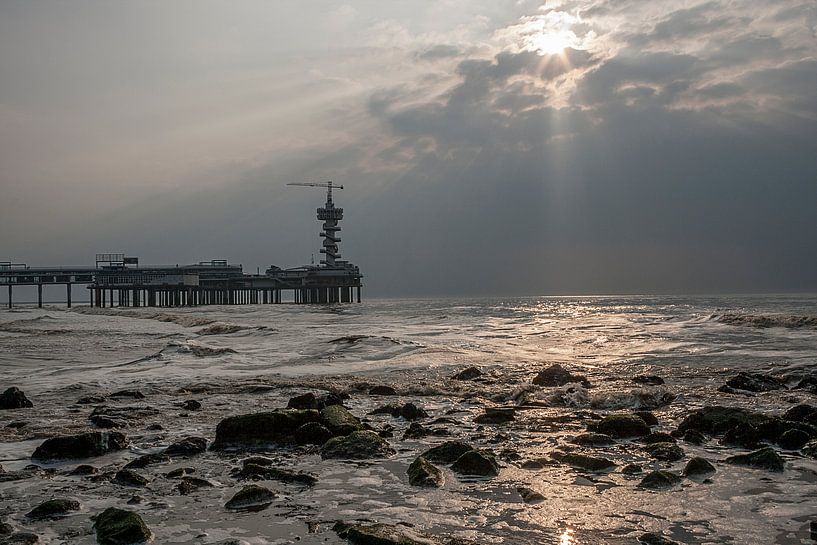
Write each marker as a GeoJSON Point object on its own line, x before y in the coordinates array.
{"type": "Point", "coordinates": [68, 294]}
{"type": "Point", "coordinates": [10, 301]}
{"type": "Point", "coordinates": [358, 294]}
{"type": "Point", "coordinates": [39, 296]}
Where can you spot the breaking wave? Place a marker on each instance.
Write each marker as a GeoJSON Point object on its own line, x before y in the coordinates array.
{"type": "Point", "coordinates": [641, 398]}
{"type": "Point", "coordinates": [184, 320]}
{"type": "Point", "coordinates": [789, 321]}
{"type": "Point", "coordinates": [175, 348]}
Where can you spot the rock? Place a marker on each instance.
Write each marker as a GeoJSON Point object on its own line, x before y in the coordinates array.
{"type": "Point", "coordinates": [793, 439]}
{"type": "Point", "coordinates": [358, 445]}
{"type": "Point", "coordinates": [421, 472]}
{"type": "Point", "coordinates": [810, 449]}
{"type": "Point", "coordinates": [716, 420]}
{"type": "Point", "coordinates": [556, 375]}
{"type": "Point", "coordinates": [409, 411]}
{"type": "Point", "coordinates": [339, 420]}
{"type": "Point", "coordinates": [191, 484]}
{"type": "Point", "coordinates": [128, 477]}
{"type": "Point", "coordinates": [754, 382]}
{"type": "Point", "coordinates": [133, 394]}
{"type": "Point", "coordinates": [381, 534]}
{"type": "Point", "coordinates": [83, 445]}
{"type": "Point", "coordinates": [447, 453]}
{"type": "Point", "coordinates": [632, 469]}
{"type": "Point", "coordinates": [651, 538]}
{"type": "Point", "coordinates": [83, 469]}
{"type": "Point", "coordinates": [593, 440]}
{"type": "Point", "coordinates": [382, 391]}
{"type": "Point", "coordinates": [469, 373]}
{"type": "Point", "coordinates": [621, 425]}
{"type": "Point", "coordinates": [188, 446]}
{"type": "Point", "coordinates": [496, 416]}
{"type": "Point", "coordinates": [5, 529]}
{"type": "Point", "coordinates": [53, 509]}
{"type": "Point", "coordinates": [148, 459]}
{"type": "Point", "coordinates": [14, 398]}
{"type": "Point", "coordinates": [650, 380]}
{"type": "Point", "coordinates": [20, 538]}
{"type": "Point", "coordinates": [107, 422]}
{"type": "Point", "coordinates": [659, 479]}
{"type": "Point", "coordinates": [311, 401]}
{"type": "Point", "coordinates": [155, 427]}
{"type": "Point", "coordinates": [119, 527]}
{"type": "Point", "coordinates": [658, 437]}
{"type": "Point", "coordinates": [667, 452]}
{"type": "Point", "coordinates": [647, 417]}
{"type": "Point", "coordinates": [251, 498]}
{"type": "Point", "coordinates": [312, 433]}
{"type": "Point", "coordinates": [119, 417]}
{"type": "Point", "coordinates": [476, 462]}
{"type": "Point", "coordinates": [529, 495]}
{"type": "Point", "coordinates": [765, 458]}
{"type": "Point", "coordinates": [582, 461]}
{"type": "Point", "coordinates": [418, 431]}
{"type": "Point", "coordinates": [17, 424]}
{"type": "Point", "coordinates": [743, 435]}
{"type": "Point", "coordinates": [698, 466]}
{"type": "Point", "coordinates": [694, 437]}
{"type": "Point", "coordinates": [802, 413]}
{"type": "Point", "coordinates": [191, 405]}
{"type": "Point", "coordinates": [260, 472]}
{"type": "Point", "coordinates": [259, 430]}
{"type": "Point", "coordinates": [90, 400]}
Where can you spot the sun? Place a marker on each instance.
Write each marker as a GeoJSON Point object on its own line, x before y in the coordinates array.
{"type": "Point", "coordinates": [552, 42]}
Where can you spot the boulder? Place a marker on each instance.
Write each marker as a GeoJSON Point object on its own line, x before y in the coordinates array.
{"type": "Point", "coordinates": [469, 373]}
{"type": "Point", "coordinates": [652, 538]}
{"type": "Point", "coordinates": [765, 458]}
{"type": "Point", "coordinates": [743, 435]}
{"type": "Point", "coordinates": [260, 430]}
{"type": "Point", "coordinates": [697, 466]}
{"type": "Point", "coordinates": [358, 445]}
{"type": "Point", "coordinates": [259, 472]}
{"type": "Point", "coordinates": [251, 498]}
{"type": "Point", "coordinates": [754, 382]}
{"type": "Point", "coordinates": [14, 398]}
{"type": "Point", "coordinates": [632, 469]}
{"type": "Point", "coordinates": [119, 527]}
{"type": "Point", "coordinates": [53, 509]}
{"type": "Point", "coordinates": [382, 534]}
{"type": "Point", "coordinates": [476, 462]}
{"type": "Point", "coordinates": [312, 433]}
{"type": "Point", "coordinates": [621, 425]}
{"type": "Point", "coordinates": [647, 417]}
{"type": "Point", "coordinates": [132, 394]}
{"type": "Point", "coordinates": [666, 452]}
{"type": "Point", "coordinates": [128, 477]}
{"type": "Point", "coordinates": [90, 400]}
{"type": "Point", "coordinates": [188, 446]}
{"type": "Point", "coordinates": [530, 495]}
{"type": "Point", "coordinates": [20, 538]}
{"type": "Point", "coordinates": [593, 440]}
{"type": "Point", "coordinates": [582, 461]}
{"type": "Point", "coordinates": [802, 413]}
{"type": "Point", "coordinates": [409, 411]}
{"type": "Point", "coordinates": [339, 420]}
{"type": "Point", "coordinates": [83, 445]}
{"type": "Point", "coordinates": [716, 420]}
{"type": "Point", "coordinates": [494, 415]}
{"type": "Point", "coordinates": [447, 453]}
{"type": "Point", "coordinates": [418, 431]}
{"type": "Point", "coordinates": [556, 375]}
{"type": "Point", "coordinates": [656, 480]}
{"type": "Point", "coordinates": [421, 472]}
{"type": "Point", "coordinates": [147, 460]}
{"type": "Point", "coordinates": [191, 405]}
{"type": "Point", "coordinates": [793, 439]}
{"type": "Point", "coordinates": [191, 484]}
{"type": "Point", "coordinates": [810, 449]}
{"type": "Point", "coordinates": [180, 472]}
{"type": "Point", "coordinates": [649, 380]}
{"type": "Point", "coordinates": [382, 390]}
{"type": "Point", "coordinates": [83, 469]}
{"type": "Point", "coordinates": [311, 401]}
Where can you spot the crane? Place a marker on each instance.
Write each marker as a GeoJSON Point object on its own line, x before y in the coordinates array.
{"type": "Point", "coordinates": [328, 185]}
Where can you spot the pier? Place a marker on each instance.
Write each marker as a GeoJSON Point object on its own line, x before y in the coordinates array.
{"type": "Point", "coordinates": [119, 280]}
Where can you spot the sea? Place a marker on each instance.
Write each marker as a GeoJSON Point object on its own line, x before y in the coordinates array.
{"type": "Point", "coordinates": [242, 359]}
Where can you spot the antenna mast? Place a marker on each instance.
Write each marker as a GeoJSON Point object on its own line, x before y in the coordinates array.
{"type": "Point", "coordinates": [330, 216]}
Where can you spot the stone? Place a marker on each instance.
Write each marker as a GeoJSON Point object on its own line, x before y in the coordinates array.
{"type": "Point", "coordinates": [358, 445]}
{"type": "Point", "coordinates": [147, 460]}
{"type": "Point", "coordinates": [409, 411]}
{"type": "Point", "coordinates": [476, 462]}
{"type": "Point", "coordinates": [258, 472]}
{"type": "Point", "coordinates": [310, 401]}
{"type": "Point", "coordinates": [20, 538]}
{"type": "Point", "coordinates": [593, 440]}
{"type": "Point", "coordinates": [188, 446]}
{"type": "Point", "coordinates": [382, 390]}
{"type": "Point", "coordinates": [658, 437]}
{"type": "Point", "coordinates": [5, 529]}
{"type": "Point", "coordinates": [802, 413]}
{"type": "Point", "coordinates": [651, 538]}
{"type": "Point", "coordinates": [119, 527]}
{"type": "Point", "coordinates": [381, 534]}
{"type": "Point", "coordinates": [743, 435]}
{"type": "Point", "coordinates": [754, 382]}
{"type": "Point", "coordinates": [469, 373]}
{"type": "Point", "coordinates": [251, 498]}
{"type": "Point", "coordinates": [191, 484]}
{"type": "Point", "coordinates": [53, 509]}
{"type": "Point", "coordinates": [421, 472]}
{"type": "Point", "coordinates": [556, 375]}
{"type": "Point", "coordinates": [647, 417]}
{"type": "Point", "coordinates": [260, 430]}
{"type": "Point", "coordinates": [621, 425]}
{"type": "Point", "coordinates": [107, 422]}
{"type": "Point", "coordinates": [667, 452]}
{"type": "Point", "coordinates": [83, 469]}
{"type": "Point", "coordinates": [582, 461]}
{"type": "Point", "coordinates": [133, 394]}
{"type": "Point", "coordinates": [446, 453]}
{"type": "Point", "coordinates": [659, 479]}
{"type": "Point", "coordinates": [632, 469]}
{"type": "Point", "coordinates": [765, 458]}
{"type": "Point", "coordinates": [694, 437]}
{"type": "Point", "coordinates": [793, 439]}
{"type": "Point", "coordinates": [83, 445]}
{"type": "Point", "coordinates": [650, 380]}
{"type": "Point", "coordinates": [128, 477]}
{"type": "Point", "coordinates": [496, 416]}
{"type": "Point", "coordinates": [191, 405]}
{"type": "Point", "coordinates": [810, 449]}
{"type": "Point", "coordinates": [14, 398]}
{"type": "Point", "coordinates": [697, 466]}
{"type": "Point", "coordinates": [717, 420]}
{"type": "Point", "coordinates": [339, 420]}
{"type": "Point", "coordinates": [312, 433]}
{"type": "Point", "coordinates": [180, 472]}
{"type": "Point", "coordinates": [529, 495]}
{"type": "Point", "coordinates": [90, 400]}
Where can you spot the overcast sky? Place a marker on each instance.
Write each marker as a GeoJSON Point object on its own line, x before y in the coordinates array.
{"type": "Point", "coordinates": [486, 146]}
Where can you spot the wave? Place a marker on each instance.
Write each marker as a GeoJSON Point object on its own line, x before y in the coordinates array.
{"type": "Point", "coordinates": [175, 348]}
{"type": "Point", "coordinates": [221, 328]}
{"type": "Point", "coordinates": [789, 321]}
{"type": "Point", "coordinates": [375, 339]}
{"type": "Point", "coordinates": [640, 398]}
{"type": "Point", "coordinates": [185, 320]}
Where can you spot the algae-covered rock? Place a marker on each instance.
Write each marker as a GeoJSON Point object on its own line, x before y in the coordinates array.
{"type": "Point", "coordinates": [14, 398]}
{"type": "Point", "coordinates": [656, 480]}
{"type": "Point", "coordinates": [667, 452]}
{"type": "Point", "coordinates": [494, 415]}
{"type": "Point", "coordinates": [382, 390]}
{"type": "Point", "coordinates": [765, 458]}
{"type": "Point", "coordinates": [409, 411]}
{"type": "Point", "coordinates": [259, 472]}
{"type": "Point", "coordinates": [187, 446]}
{"type": "Point", "coordinates": [128, 477]}
{"type": "Point", "coordinates": [421, 472]}
{"type": "Point", "coordinates": [339, 420]}
{"type": "Point", "coordinates": [476, 462]}
{"type": "Point", "coordinates": [313, 433]}
{"type": "Point", "coordinates": [447, 453]}
{"type": "Point", "coordinates": [191, 484]}
{"type": "Point", "coordinates": [251, 498]}
{"type": "Point", "coordinates": [119, 527]}
{"type": "Point", "coordinates": [621, 425]}
{"type": "Point", "coordinates": [83, 445]}
{"type": "Point", "coordinates": [359, 445]}
{"type": "Point", "coordinates": [53, 509]}
{"type": "Point", "coordinates": [556, 375]}
{"type": "Point", "coordinates": [698, 466]}
{"type": "Point", "coordinates": [260, 430]}
{"type": "Point", "coordinates": [582, 461]}
{"type": "Point", "coordinates": [593, 440]}
{"type": "Point", "coordinates": [716, 420]}
{"type": "Point", "coordinates": [793, 439]}
{"type": "Point", "coordinates": [754, 382]}
{"type": "Point", "coordinates": [384, 534]}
